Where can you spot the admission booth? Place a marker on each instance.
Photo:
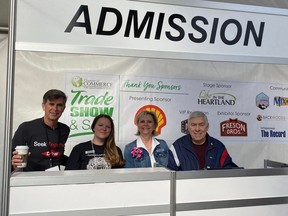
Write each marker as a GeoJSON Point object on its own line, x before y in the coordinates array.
{"type": "Point", "coordinates": [173, 57]}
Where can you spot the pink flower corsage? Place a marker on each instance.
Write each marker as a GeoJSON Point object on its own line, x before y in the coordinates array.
{"type": "Point", "coordinates": [136, 152]}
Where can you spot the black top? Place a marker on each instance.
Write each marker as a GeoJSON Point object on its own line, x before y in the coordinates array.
{"type": "Point", "coordinates": [46, 146]}
{"type": "Point", "coordinates": [88, 156]}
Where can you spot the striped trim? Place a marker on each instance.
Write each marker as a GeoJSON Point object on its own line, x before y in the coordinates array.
{"type": "Point", "coordinates": [173, 150]}
{"type": "Point", "coordinates": [223, 157]}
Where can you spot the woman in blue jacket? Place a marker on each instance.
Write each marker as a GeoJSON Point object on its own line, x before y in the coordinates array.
{"type": "Point", "coordinates": [146, 150]}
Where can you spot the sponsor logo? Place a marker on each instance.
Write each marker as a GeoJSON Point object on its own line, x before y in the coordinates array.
{"type": "Point", "coordinates": [262, 101]}
{"type": "Point", "coordinates": [233, 127]}
{"type": "Point", "coordinates": [272, 133]}
{"type": "Point", "coordinates": [78, 81]}
{"type": "Point", "coordinates": [280, 101]}
{"type": "Point", "coordinates": [271, 118]}
{"type": "Point", "coordinates": [184, 127]}
{"type": "Point", "coordinates": [207, 98]}
{"type": "Point", "coordinates": [159, 113]}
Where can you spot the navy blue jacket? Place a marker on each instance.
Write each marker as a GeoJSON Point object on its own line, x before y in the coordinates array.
{"type": "Point", "coordinates": [183, 157]}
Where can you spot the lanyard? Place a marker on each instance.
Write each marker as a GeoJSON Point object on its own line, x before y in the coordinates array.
{"type": "Point", "coordinates": [58, 141]}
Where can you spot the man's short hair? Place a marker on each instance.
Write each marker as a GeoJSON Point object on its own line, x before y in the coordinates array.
{"type": "Point", "coordinates": [54, 94]}
{"type": "Point", "coordinates": [196, 114]}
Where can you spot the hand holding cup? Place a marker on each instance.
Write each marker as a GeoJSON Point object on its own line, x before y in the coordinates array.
{"type": "Point", "coordinates": [19, 158]}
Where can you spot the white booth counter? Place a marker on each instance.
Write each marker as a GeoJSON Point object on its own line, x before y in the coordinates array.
{"type": "Point", "coordinates": [150, 191]}
{"type": "Point", "coordinates": [232, 192]}
{"type": "Point", "coordinates": [143, 191]}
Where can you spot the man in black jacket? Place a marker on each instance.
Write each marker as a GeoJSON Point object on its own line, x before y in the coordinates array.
{"type": "Point", "coordinates": [45, 137]}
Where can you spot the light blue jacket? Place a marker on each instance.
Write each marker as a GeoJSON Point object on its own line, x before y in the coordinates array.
{"type": "Point", "coordinates": [161, 153]}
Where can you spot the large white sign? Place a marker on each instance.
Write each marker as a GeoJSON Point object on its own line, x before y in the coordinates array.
{"type": "Point", "coordinates": [138, 28]}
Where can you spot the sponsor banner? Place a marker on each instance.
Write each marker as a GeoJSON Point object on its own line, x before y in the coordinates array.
{"type": "Point", "coordinates": [237, 111]}
{"type": "Point", "coordinates": [150, 29]}
{"type": "Point", "coordinates": [88, 96]}
{"type": "Point", "coordinates": [166, 97]}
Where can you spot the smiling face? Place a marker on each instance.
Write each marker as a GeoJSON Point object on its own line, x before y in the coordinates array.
{"type": "Point", "coordinates": [102, 129]}
{"type": "Point", "coordinates": [53, 110]}
{"type": "Point", "coordinates": [198, 129]}
{"type": "Point", "coordinates": [146, 125]}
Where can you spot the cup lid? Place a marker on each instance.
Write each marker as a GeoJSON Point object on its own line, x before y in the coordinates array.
{"type": "Point", "coordinates": [22, 147]}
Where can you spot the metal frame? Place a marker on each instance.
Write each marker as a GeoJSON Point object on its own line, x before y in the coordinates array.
{"type": "Point", "coordinates": [274, 164]}
{"type": "Point", "coordinates": [11, 73]}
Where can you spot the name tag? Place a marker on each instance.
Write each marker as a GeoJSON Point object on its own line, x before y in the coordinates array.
{"type": "Point", "coordinates": [90, 152]}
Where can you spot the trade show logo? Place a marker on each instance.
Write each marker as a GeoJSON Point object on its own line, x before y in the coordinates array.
{"type": "Point", "coordinates": [233, 127]}
{"type": "Point", "coordinates": [85, 105]}
{"type": "Point", "coordinates": [78, 81]}
{"type": "Point", "coordinates": [280, 101]}
{"type": "Point", "coordinates": [262, 101]}
{"type": "Point", "coordinates": [159, 113]}
{"type": "Point", "coordinates": [207, 98]}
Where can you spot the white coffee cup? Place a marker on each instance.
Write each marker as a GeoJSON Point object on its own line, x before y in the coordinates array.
{"type": "Point", "coordinates": [23, 152]}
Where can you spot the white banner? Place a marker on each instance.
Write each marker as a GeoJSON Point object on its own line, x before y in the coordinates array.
{"type": "Point", "coordinates": [138, 28]}
{"type": "Point", "coordinates": [237, 111]}
{"type": "Point", "coordinates": [88, 96]}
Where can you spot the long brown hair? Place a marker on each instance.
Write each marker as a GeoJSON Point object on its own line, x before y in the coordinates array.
{"type": "Point", "coordinates": [111, 154]}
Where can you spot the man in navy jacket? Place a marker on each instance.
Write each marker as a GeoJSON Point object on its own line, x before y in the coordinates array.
{"type": "Point", "coordinates": [198, 150]}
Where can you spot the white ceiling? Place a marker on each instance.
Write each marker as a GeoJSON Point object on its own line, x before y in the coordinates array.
{"type": "Point", "coordinates": [5, 5]}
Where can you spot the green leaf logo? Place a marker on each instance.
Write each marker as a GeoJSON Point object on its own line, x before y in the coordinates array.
{"type": "Point", "coordinates": [77, 81]}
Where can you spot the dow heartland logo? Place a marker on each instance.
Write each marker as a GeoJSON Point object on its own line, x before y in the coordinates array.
{"type": "Point", "coordinates": [159, 113]}
{"type": "Point", "coordinates": [233, 127]}
{"type": "Point", "coordinates": [207, 98]}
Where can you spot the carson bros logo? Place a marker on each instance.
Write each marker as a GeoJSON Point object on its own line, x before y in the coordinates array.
{"type": "Point", "coordinates": [159, 113]}
{"type": "Point", "coordinates": [262, 101]}
{"type": "Point", "coordinates": [207, 98]}
{"type": "Point", "coordinates": [233, 127]}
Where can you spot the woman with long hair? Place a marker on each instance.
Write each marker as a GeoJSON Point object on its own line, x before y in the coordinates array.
{"type": "Point", "coordinates": [99, 153]}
